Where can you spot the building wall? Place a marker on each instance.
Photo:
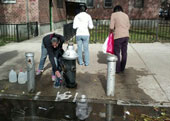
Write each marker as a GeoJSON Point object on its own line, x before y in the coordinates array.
{"type": "Point", "coordinates": [39, 11]}
{"type": "Point", "coordinates": [98, 11]}
{"type": "Point", "coordinates": [16, 13]}
{"type": "Point", "coordinates": [13, 13]}
{"type": "Point", "coordinates": [101, 12]}
{"type": "Point", "coordinates": [44, 16]}
{"type": "Point", "coordinates": [150, 10]}
{"type": "Point", "coordinates": [33, 10]}
{"type": "Point", "coordinates": [59, 14]}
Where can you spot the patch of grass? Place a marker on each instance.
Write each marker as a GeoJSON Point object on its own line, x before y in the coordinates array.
{"type": "Point", "coordinates": [7, 39]}
{"type": "Point", "coordinates": [3, 43]}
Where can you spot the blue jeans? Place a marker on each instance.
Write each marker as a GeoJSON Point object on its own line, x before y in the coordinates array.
{"type": "Point", "coordinates": [83, 41]}
{"type": "Point", "coordinates": [43, 58]}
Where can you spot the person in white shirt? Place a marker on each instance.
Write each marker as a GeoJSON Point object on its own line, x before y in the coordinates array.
{"type": "Point", "coordinates": [83, 22]}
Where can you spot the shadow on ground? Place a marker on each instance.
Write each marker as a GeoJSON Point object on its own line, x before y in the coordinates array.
{"type": "Point", "coordinates": [102, 58]}
{"type": "Point", "coordinates": [47, 66]}
{"type": "Point", "coordinates": [7, 56]}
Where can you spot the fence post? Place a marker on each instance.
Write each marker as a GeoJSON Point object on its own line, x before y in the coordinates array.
{"type": "Point", "coordinates": [37, 29]}
{"type": "Point", "coordinates": [96, 31]}
{"type": "Point", "coordinates": [157, 29]}
{"type": "Point", "coordinates": [17, 33]}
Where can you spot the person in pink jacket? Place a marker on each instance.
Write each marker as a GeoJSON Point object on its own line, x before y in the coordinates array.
{"type": "Point", "coordinates": [120, 25]}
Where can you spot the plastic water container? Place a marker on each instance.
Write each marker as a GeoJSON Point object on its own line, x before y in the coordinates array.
{"type": "Point", "coordinates": [82, 109]}
{"type": "Point", "coordinates": [12, 76]}
{"type": "Point", "coordinates": [22, 77]}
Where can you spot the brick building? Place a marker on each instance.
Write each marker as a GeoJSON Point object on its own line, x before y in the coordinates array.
{"type": "Point", "coordinates": [136, 9]}
{"type": "Point", "coordinates": [24, 11]}
{"type": "Point", "coordinates": [16, 11]}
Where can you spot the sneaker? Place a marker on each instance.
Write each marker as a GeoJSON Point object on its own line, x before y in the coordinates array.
{"type": "Point", "coordinates": [53, 77]}
{"type": "Point", "coordinates": [60, 80]}
{"type": "Point", "coordinates": [56, 84]}
{"type": "Point", "coordinates": [86, 65]}
{"type": "Point", "coordinates": [38, 72]}
{"type": "Point", "coordinates": [81, 64]}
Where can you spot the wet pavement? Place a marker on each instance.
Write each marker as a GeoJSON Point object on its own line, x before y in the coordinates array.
{"type": "Point", "coordinates": [146, 80]}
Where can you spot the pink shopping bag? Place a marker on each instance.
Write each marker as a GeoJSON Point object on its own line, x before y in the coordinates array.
{"type": "Point", "coordinates": [110, 44]}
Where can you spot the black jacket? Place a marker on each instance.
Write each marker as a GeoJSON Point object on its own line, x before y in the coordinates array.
{"type": "Point", "coordinates": [54, 52]}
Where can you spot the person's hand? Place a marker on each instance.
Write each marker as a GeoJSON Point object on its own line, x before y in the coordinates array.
{"type": "Point", "coordinates": [57, 73]}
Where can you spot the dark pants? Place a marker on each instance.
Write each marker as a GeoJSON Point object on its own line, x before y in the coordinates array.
{"type": "Point", "coordinates": [120, 46]}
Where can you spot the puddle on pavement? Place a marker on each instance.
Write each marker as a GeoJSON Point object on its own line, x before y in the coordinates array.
{"type": "Point", "coordinates": [27, 110]}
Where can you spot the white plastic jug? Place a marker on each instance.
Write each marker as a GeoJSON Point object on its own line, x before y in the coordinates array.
{"type": "Point", "coordinates": [12, 76]}
{"type": "Point", "coordinates": [22, 77]}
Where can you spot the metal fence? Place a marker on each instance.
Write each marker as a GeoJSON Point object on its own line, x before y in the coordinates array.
{"type": "Point", "coordinates": [18, 32]}
{"type": "Point", "coordinates": [150, 31]}
{"type": "Point", "coordinates": [140, 31]}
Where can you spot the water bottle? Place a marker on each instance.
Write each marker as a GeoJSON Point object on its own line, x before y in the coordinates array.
{"type": "Point", "coordinates": [12, 76]}
{"type": "Point", "coordinates": [22, 77]}
{"type": "Point", "coordinates": [82, 109]}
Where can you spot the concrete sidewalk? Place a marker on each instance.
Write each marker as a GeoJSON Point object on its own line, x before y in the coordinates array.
{"type": "Point", "coordinates": [146, 79]}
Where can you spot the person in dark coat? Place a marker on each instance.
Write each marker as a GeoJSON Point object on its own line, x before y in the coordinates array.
{"type": "Point", "coordinates": [52, 46]}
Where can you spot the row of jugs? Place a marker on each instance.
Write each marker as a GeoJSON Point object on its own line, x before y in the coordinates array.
{"type": "Point", "coordinates": [22, 77]}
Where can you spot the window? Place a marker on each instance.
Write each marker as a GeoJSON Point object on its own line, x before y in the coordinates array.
{"type": "Point", "coordinates": [8, 1]}
{"type": "Point", "coordinates": [59, 3]}
{"type": "Point", "coordinates": [108, 3]}
{"type": "Point", "coordinates": [90, 3]}
{"type": "Point", "coordinates": [139, 3]}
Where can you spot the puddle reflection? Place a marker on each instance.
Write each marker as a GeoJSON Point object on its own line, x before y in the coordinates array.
{"type": "Point", "coordinates": [27, 110]}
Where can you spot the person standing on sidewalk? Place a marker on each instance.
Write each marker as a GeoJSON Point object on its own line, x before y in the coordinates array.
{"type": "Point", "coordinates": [120, 25]}
{"type": "Point", "coordinates": [82, 22]}
{"type": "Point", "coordinates": [52, 46]}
